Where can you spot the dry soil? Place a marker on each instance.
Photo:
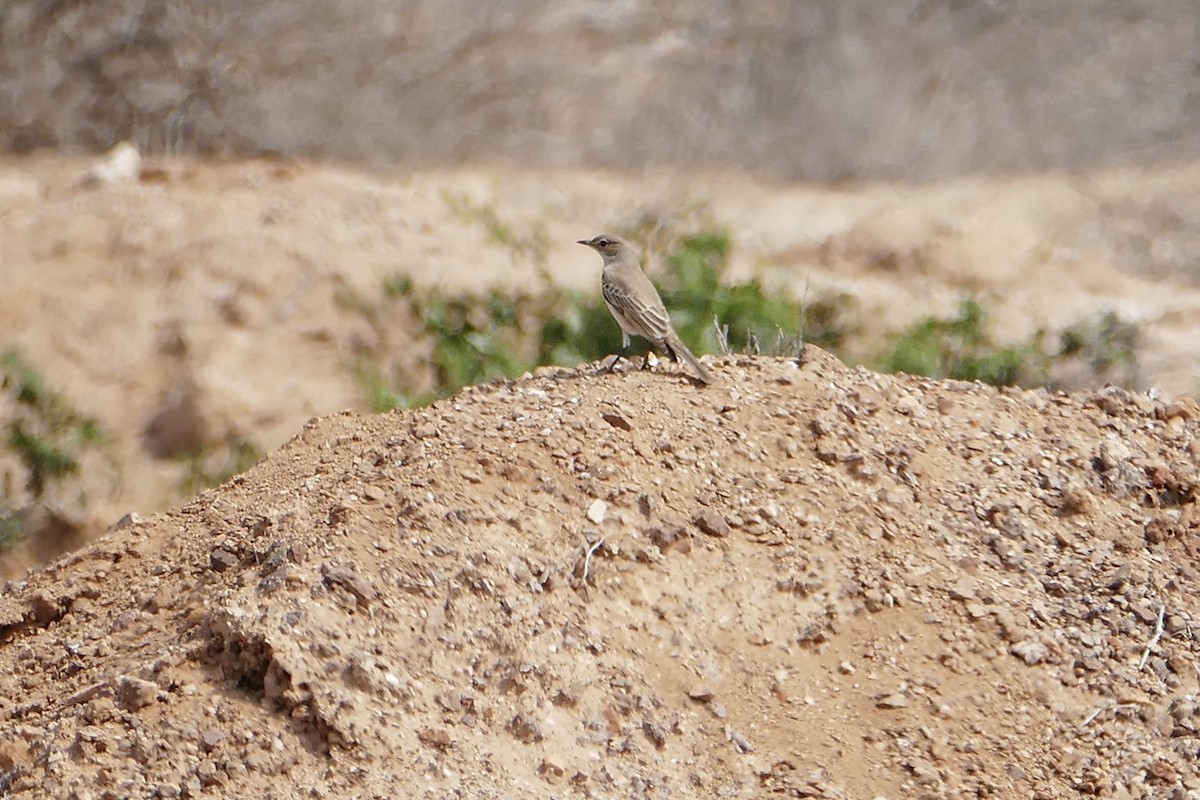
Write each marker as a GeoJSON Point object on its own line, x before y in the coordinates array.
{"type": "Point", "coordinates": [805, 580]}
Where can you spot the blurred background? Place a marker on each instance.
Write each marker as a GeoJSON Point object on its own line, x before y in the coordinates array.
{"type": "Point", "coordinates": [219, 218]}
{"type": "Point", "coordinates": [819, 90]}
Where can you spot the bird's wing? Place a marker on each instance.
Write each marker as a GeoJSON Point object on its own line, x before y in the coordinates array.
{"type": "Point", "coordinates": [648, 317]}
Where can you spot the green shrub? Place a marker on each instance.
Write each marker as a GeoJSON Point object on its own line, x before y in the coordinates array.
{"type": "Point", "coordinates": [580, 329]}
{"type": "Point", "coordinates": [480, 336]}
{"type": "Point", "coordinates": [475, 337]}
{"type": "Point", "coordinates": [1108, 344]}
{"type": "Point", "coordinates": [958, 348]}
{"type": "Point", "coordinates": [203, 470]}
{"type": "Point", "coordinates": [12, 525]}
{"type": "Point", "coordinates": [382, 395]}
{"type": "Point", "coordinates": [46, 434]}
{"type": "Point", "coordinates": [45, 431]}
{"type": "Point", "coordinates": [1100, 349]}
{"type": "Point", "coordinates": [696, 295]}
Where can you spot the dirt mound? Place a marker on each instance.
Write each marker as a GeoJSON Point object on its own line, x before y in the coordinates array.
{"type": "Point", "coordinates": [209, 308]}
{"type": "Point", "coordinates": [805, 580]}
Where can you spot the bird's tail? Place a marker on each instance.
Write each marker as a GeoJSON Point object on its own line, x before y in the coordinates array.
{"type": "Point", "coordinates": [676, 348]}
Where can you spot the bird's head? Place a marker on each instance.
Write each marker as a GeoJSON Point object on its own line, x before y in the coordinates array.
{"type": "Point", "coordinates": [608, 246]}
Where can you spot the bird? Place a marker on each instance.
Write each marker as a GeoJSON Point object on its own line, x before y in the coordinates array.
{"type": "Point", "coordinates": [634, 302]}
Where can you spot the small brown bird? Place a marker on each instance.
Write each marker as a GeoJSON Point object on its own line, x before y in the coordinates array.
{"type": "Point", "coordinates": [634, 302]}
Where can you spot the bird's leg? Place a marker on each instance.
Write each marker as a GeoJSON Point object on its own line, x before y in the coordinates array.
{"type": "Point", "coordinates": [620, 355]}
{"type": "Point", "coordinates": [661, 347]}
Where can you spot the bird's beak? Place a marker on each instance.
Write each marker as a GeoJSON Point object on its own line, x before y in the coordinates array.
{"type": "Point", "coordinates": [584, 242]}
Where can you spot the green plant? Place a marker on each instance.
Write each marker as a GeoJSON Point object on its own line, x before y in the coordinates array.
{"type": "Point", "coordinates": [46, 434]}
{"type": "Point", "coordinates": [479, 336]}
{"type": "Point", "coordinates": [1105, 341]}
{"type": "Point", "coordinates": [580, 329]}
{"type": "Point", "coordinates": [12, 524]}
{"type": "Point", "coordinates": [748, 316]}
{"type": "Point", "coordinates": [696, 293]}
{"type": "Point", "coordinates": [476, 337]}
{"type": "Point", "coordinates": [828, 321]}
{"type": "Point", "coordinates": [382, 395]}
{"type": "Point", "coordinates": [45, 431]}
{"type": "Point", "coordinates": [483, 335]}
{"type": "Point", "coordinates": [958, 348]}
{"type": "Point", "coordinates": [200, 473]}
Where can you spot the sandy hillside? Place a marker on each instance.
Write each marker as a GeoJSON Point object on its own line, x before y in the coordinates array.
{"type": "Point", "coordinates": [202, 306]}
{"type": "Point", "coordinates": [804, 580]}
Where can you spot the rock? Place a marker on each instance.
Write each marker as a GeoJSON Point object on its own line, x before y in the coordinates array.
{"type": "Point", "coordinates": [133, 693]}
{"type": "Point", "coordinates": [551, 771]}
{"type": "Point", "coordinates": [1161, 772]}
{"type": "Point", "coordinates": [208, 773]}
{"type": "Point", "coordinates": [1030, 651]}
{"type": "Point", "coordinates": [977, 610]}
{"type": "Point", "coordinates": [908, 404]}
{"type": "Point", "coordinates": [739, 741]}
{"type": "Point", "coordinates": [711, 523]}
{"type": "Point", "coordinates": [896, 700]}
{"type": "Point", "coordinates": [437, 738]}
{"type": "Point", "coordinates": [349, 580]}
{"type": "Point", "coordinates": [1119, 578]}
{"type": "Point", "coordinates": [221, 559]}
{"type": "Point", "coordinates": [210, 739]}
{"type": "Point", "coordinates": [524, 729]}
{"type": "Point", "coordinates": [128, 521]}
{"type": "Point", "coordinates": [1185, 408]}
{"type": "Point", "coordinates": [121, 164]}
{"type": "Point", "coordinates": [647, 504]}
{"type": "Point", "coordinates": [671, 531]}
{"type": "Point", "coordinates": [1145, 612]}
{"type": "Point", "coordinates": [964, 589]}
{"type": "Point", "coordinates": [924, 772]}
{"type": "Point", "coordinates": [1077, 499]}
{"type": "Point", "coordinates": [177, 426]}
{"type": "Point", "coordinates": [874, 599]}
{"type": "Point", "coordinates": [654, 734]}
{"type": "Point", "coordinates": [597, 511]}
{"type": "Point", "coordinates": [617, 421]}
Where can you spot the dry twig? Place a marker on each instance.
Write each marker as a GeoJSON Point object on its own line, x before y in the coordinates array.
{"type": "Point", "coordinates": [1158, 632]}
{"type": "Point", "coordinates": [587, 557]}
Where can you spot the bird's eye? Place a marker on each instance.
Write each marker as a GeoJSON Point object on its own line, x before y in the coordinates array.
{"type": "Point", "coordinates": [605, 242]}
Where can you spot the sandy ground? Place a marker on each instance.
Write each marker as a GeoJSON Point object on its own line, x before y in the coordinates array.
{"type": "Point", "coordinates": [804, 580]}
